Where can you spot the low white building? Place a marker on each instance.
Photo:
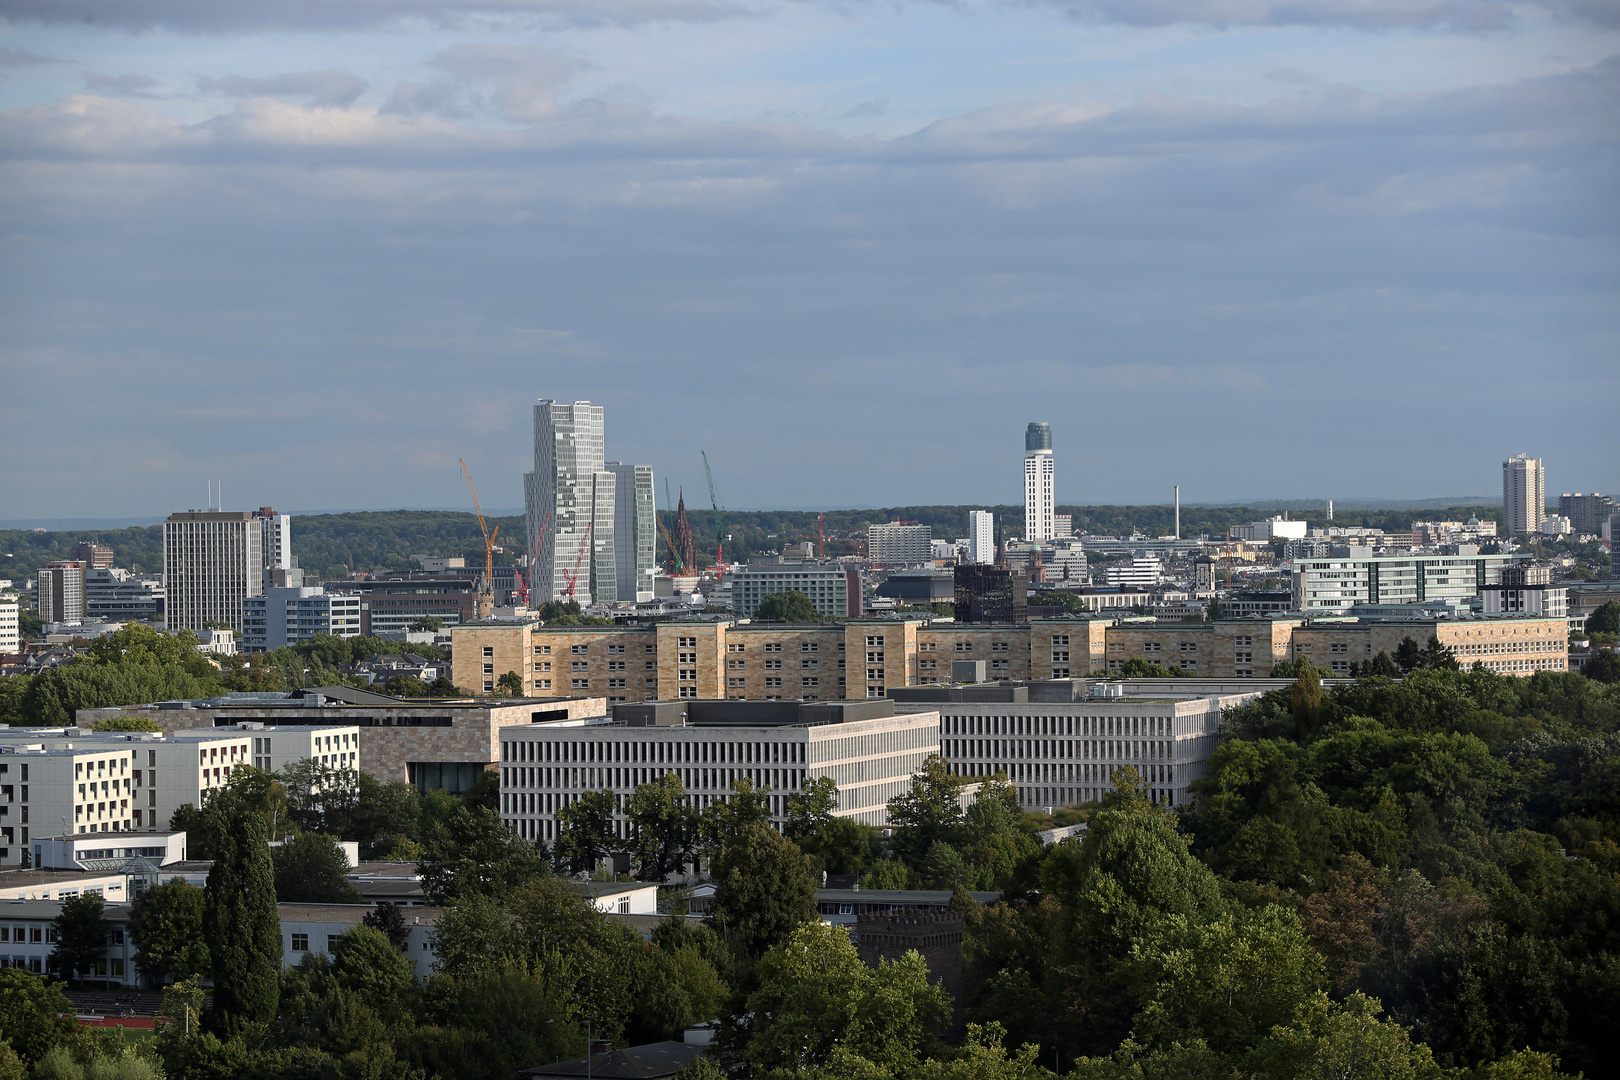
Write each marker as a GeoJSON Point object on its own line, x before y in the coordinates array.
{"type": "Point", "coordinates": [865, 747]}
{"type": "Point", "coordinates": [1140, 573]}
{"type": "Point", "coordinates": [1556, 525]}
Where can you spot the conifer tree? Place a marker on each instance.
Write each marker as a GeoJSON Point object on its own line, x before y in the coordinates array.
{"type": "Point", "coordinates": [240, 919]}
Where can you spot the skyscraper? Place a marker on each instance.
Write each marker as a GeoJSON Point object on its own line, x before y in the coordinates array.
{"type": "Point", "coordinates": [212, 561]}
{"type": "Point", "coordinates": [635, 530]}
{"type": "Point", "coordinates": [573, 482]}
{"type": "Point", "coordinates": [1039, 482]}
{"type": "Point", "coordinates": [275, 546]}
{"type": "Point", "coordinates": [1524, 495]}
{"type": "Point", "coordinates": [981, 537]}
{"type": "Point", "coordinates": [59, 592]}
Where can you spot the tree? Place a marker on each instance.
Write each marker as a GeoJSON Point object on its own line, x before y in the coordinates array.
{"type": "Point", "coordinates": [384, 813]}
{"type": "Point", "coordinates": [1343, 1041]}
{"type": "Point", "coordinates": [35, 1015]}
{"type": "Point", "coordinates": [426, 624]}
{"type": "Point", "coordinates": [1603, 665]}
{"type": "Point", "coordinates": [745, 807]}
{"type": "Point", "coordinates": [928, 811]}
{"type": "Point", "coordinates": [1438, 657]}
{"type": "Point", "coordinates": [125, 723]}
{"type": "Point", "coordinates": [1306, 700]}
{"type": "Point", "coordinates": [510, 683]}
{"type": "Point", "coordinates": [472, 851]}
{"type": "Point", "coordinates": [664, 828]}
{"type": "Point", "coordinates": [1605, 620]}
{"type": "Point", "coordinates": [241, 924]}
{"type": "Point", "coordinates": [791, 606]}
{"type": "Point", "coordinates": [810, 808]}
{"type": "Point", "coordinates": [585, 834]}
{"type": "Point", "coordinates": [1407, 655]}
{"type": "Point", "coordinates": [367, 964]}
{"type": "Point", "coordinates": [81, 936]}
{"type": "Point", "coordinates": [1383, 666]}
{"type": "Point", "coordinates": [762, 889]}
{"type": "Point", "coordinates": [167, 924]}
{"type": "Point", "coordinates": [311, 869]}
{"type": "Point", "coordinates": [389, 919]}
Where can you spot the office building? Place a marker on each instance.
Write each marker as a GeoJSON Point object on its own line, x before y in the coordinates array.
{"type": "Point", "coordinates": [1354, 576]}
{"type": "Point", "coordinates": [59, 592]}
{"type": "Point", "coordinates": [1556, 525]}
{"type": "Point", "coordinates": [1587, 514]}
{"type": "Point", "coordinates": [1137, 573]}
{"type": "Point", "coordinates": [281, 617]}
{"type": "Point", "coordinates": [1526, 590]}
{"type": "Point", "coordinates": [1058, 750]}
{"type": "Point", "coordinates": [1433, 533]}
{"type": "Point", "coordinates": [275, 546]}
{"type": "Point", "coordinates": [919, 588]}
{"type": "Point", "coordinates": [1275, 528]}
{"type": "Point", "coordinates": [112, 594]}
{"type": "Point", "coordinates": [900, 544]}
{"type": "Point", "coordinates": [1524, 495]}
{"type": "Point", "coordinates": [572, 486]}
{"type": "Point", "coordinates": [834, 589]}
{"type": "Point", "coordinates": [1040, 484]}
{"type": "Point", "coordinates": [869, 750]}
{"type": "Point", "coordinates": [991, 594]}
{"type": "Point", "coordinates": [94, 556]}
{"type": "Point", "coordinates": [10, 624]}
{"type": "Point", "coordinates": [1062, 525]}
{"type": "Point", "coordinates": [981, 537]}
{"type": "Point", "coordinates": [390, 604]}
{"type": "Point", "coordinates": [212, 561]}
{"type": "Point", "coordinates": [635, 531]}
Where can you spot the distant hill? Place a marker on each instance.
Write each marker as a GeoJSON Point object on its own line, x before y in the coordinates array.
{"type": "Point", "coordinates": [328, 546]}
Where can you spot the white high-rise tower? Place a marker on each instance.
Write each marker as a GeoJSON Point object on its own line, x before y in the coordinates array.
{"type": "Point", "coordinates": [981, 537]}
{"type": "Point", "coordinates": [571, 483]}
{"type": "Point", "coordinates": [1524, 495]}
{"type": "Point", "coordinates": [1039, 483]}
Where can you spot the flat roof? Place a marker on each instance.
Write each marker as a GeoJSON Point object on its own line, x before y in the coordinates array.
{"type": "Point", "coordinates": [899, 896]}
{"type": "Point", "coordinates": [350, 913]}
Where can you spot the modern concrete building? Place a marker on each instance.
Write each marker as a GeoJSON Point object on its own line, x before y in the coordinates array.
{"type": "Point", "coordinates": [635, 531]}
{"type": "Point", "coordinates": [116, 595]}
{"type": "Point", "coordinates": [1061, 748]}
{"type": "Point", "coordinates": [281, 617]}
{"type": "Point", "coordinates": [1143, 573]}
{"type": "Point", "coordinates": [1040, 483]}
{"type": "Point", "coordinates": [10, 624]}
{"type": "Point", "coordinates": [572, 486]}
{"type": "Point", "coordinates": [1587, 513]}
{"type": "Point", "coordinates": [834, 588]}
{"type": "Point", "coordinates": [1275, 528]}
{"type": "Point", "coordinates": [866, 748]}
{"type": "Point", "coordinates": [59, 592]}
{"type": "Point", "coordinates": [212, 561]}
{"type": "Point", "coordinates": [94, 556]}
{"type": "Point", "coordinates": [1524, 495]}
{"type": "Point", "coordinates": [895, 544]}
{"type": "Point", "coordinates": [391, 604]}
{"type": "Point", "coordinates": [1354, 576]}
{"type": "Point", "coordinates": [981, 537]}
{"type": "Point", "coordinates": [275, 545]}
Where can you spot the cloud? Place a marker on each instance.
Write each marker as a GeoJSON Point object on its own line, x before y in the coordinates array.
{"type": "Point", "coordinates": [319, 87]}
{"type": "Point", "coordinates": [1469, 16]}
{"type": "Point", "coordinates": [214, 17]}
{"type": "Point", "coordinates": [127, 85]}
{"type": "Point", "coordinates": [20, 57]}
{"type": "Point", "coordinates": [520, 84]}
{"type": "Point", "coordinates": [1291, 76]}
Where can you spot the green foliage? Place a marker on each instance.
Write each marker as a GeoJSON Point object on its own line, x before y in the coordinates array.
{"type": "Point", "coordinates": [726, 819]}
{"type": "Point", "coordinates": [469, 850]}
{"type": "Point", "coordinates": [81, 936]}
{"type": "Point", "coordinates": [1605, 620]}
{"type": "Point", "coordinates": [929, 811]}
{"type": "Point", "coordinates": [167, 924]}
{"type": "Point", "coordinates": [368, 965]}
{"type": "Point", "coordinates": [311, 869]}
{"type": "Point", "coordinates": [125, 723]}
{"type": "Point", "coordinates": [240, 922]}
{"type": "Point", "coordinates": [1139, 668]}
{"type": "Point", "coordinates": [34, 1014]}
{"type": "Point", "coordinates": [791, 606]}
{"type": "Point", "coordinates": [763, 889]}
{"type": "Point", "coordinates": [510, 684]}
{"type": "Point", "coordinates": [585, 834]}
{"type": "Point", "coordinates": [664, 828]}
{"type": "Point", "coordinates": [1603, 666]}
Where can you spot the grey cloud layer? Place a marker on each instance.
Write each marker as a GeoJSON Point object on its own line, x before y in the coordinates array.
{"type": "Point", "coordinates": [318, 87]}
{"type": "Point", "coordinates": [1375, 264]}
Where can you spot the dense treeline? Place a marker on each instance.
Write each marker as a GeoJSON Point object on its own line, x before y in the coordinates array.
{"type": "Point", "coordinates": [329, 546]}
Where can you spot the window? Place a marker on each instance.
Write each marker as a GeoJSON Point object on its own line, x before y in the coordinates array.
{"type": "Point", "coordinates": [577, 665]}
{"type": "Point", "coordinates": [810, 680]}
{"type": "Point", "coordinates": [579, 684]}
{"type": "Point", "coordinates": [964, 646]}
{"type": "Point", "coordinates": [1242, 642]}
{"type": "Point", "coordinates": [615, 665]}
{"type": "Point", "coordinates": [624, 905]}
{"type": "Point", "coordinates": [736, 648]}
{"type": "Point", "coordinates": [1060, 639]}
{"type": "Point", "coordinates": [808, 646]}
{"type": "Point", "coordinates": [773, 646]}
{"type": "Point", "coordinates": [615, 648]}
{"type": "Point", "coordinates": [300, 943]}
{"type": "Point", "coordinates": [773, 665]}
{"type": "Point", "coordinates": [874, 641]}
{"type": "Point", "coordinates": [1338, 648]}
{"type": "Point", "coordinates": [1152, 646]}
{"type": "Point", "coordinates": [1189, 646]}
{"type": "Point", "coordinates": [686, 643]}
{"type": "Point", "coordinates": [809, 664]}
{"type": "Point", "coordinates": [928, 646]}
{"type": "Point", "coordinates": [773, 680]}
{"type": "Point", "coordinates": [616, 684]}
{"type": "Point", "coordinates": [542, 650]}
{"type": "Point", "coordinates": [1060, 656]}
{"type": "Point", "coordinates": [1000, 646]}
{"type": "Point", "coordinates": [489, 650]}
{"type": "Point", "coordinates": [579, 650]}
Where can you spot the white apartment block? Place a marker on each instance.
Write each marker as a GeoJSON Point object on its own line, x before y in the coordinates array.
{"type": "Point", "coordinates": [833, 588]}
{"type": "Point", "coordinates": [1342, 581]}
{"type": "Point", "coordinates": [59, 592]}
{"type": "Point", "coordinates": [275, 747]}
{"type": "Point", "coordinates": [212, 561]}
{"type": "Point", "coordinates": [1526, 590]}
{"type": "Point", "coordinates": [1138, 573]}
{"type": "Point", "coordinates": [1066, 753]}
{"type": "Point", "coordinates": [1524, 495]}
{"type": "Point", "coordinates": [981, 537]}
{"type": "Point", "coordinates": [10, 624]}
{"type": "Point", "coordinates": [1040, 483]}
{"type": "Point", "coordinates": [281, 617]}
{"type": "Point", "coordinates": [866, 748]}
{"type": "Point", "coordinates": [275, 542]}
{"type": "Point", "coordinates": [895, 544]}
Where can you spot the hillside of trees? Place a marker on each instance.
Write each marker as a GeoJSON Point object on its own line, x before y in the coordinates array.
{"type": "Point", "coordinates": [329, 546]}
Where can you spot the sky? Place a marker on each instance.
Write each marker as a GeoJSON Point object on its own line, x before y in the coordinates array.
{"type": "Point", "coordinates": [318, 252]}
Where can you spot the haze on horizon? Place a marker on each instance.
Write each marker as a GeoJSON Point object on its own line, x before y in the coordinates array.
{"type": "Point", "coordinates": [320, 252]}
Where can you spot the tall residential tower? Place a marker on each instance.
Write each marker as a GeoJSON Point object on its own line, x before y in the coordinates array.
{"type": "Point", "coordinates": [1039, 483]}
{"type": "Point", "coordinates": [1524, 495]}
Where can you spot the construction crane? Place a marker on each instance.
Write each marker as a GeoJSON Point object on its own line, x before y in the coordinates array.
{"type": "Point", "coordinates": [573, 575]}
{"type": "Point", "coordinates": [719, 524]}
{"type": "Point", "coordinates": [821, 533]}
{"type": "Point", "coordinates": [676, 566]}
{"type": "Point", "coordinates": [484, 599]}
{"type": "Point", "coordinates": [534, 557]}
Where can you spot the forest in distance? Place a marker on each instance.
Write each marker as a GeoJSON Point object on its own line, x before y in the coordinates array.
{"type": "Point", "coordinates": [330, 546]}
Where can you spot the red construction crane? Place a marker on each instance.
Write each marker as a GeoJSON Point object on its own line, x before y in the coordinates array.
{"type": "Point", "coordinates": [573, 575]}
{"type": "Point", "coordinates": [534, 556]}
{"type": "Point", "coordinates": [484, 600]}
